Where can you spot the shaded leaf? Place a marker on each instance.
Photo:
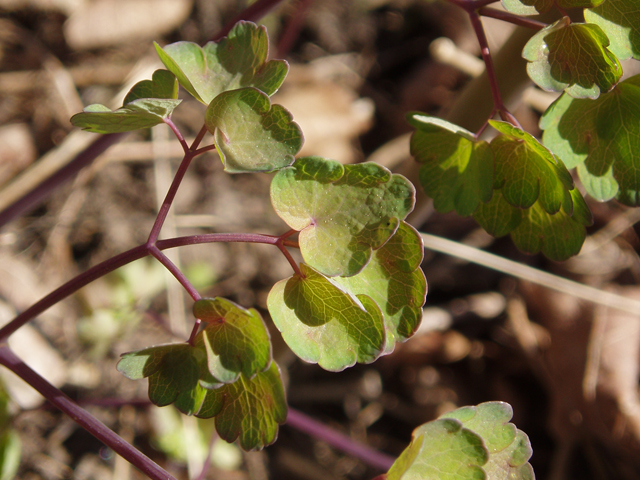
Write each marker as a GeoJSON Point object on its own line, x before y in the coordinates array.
{"type": "Point", "coordinates": [394, 281]}
{"type": "Point", "coordinates": [498, 217]}
{"type": "Point", "coordinates": [509, 448]}
{"type": "Point", "coordinates": [250, 134]}
{"type": "Point", "coordinates": [526, 172]}
{"type": "Point", "coordinates": [239, 60]}
{"type": "Point", "coordinates": [163, 84]}
{"type": "Point", "coordinates": [236, 339]}
{"type": "Point", "coordinates": [604, 134]}
{"type": "Point", "coordinates": [250, 409]}
{"type": "Point", "coordinates": [442, 449]}
{"type": "Point", "coordinates": [325, 325]}
{"type": "Point", "coordinates": [572, 57]}
{"type": "Point", "coordinates": [342, 212]}
{"type": "Point", "coordinates": [456, 170]}
{"type": "Point", "coordinates": [620, 21]}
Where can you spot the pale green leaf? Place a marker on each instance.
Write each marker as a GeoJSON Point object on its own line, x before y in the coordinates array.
{"type": "Point", "coordinates": [250, 134]}
{"type": "Point", "coordinates": [572, 57]}
{"type": "Point", "coordinates": [163, 84]}
{"type": "Point", "coordinates": [236, 339]}
{"type": "Point", "coordinates": [526, 172]}
{"type": "Point", "coordinates": [620, 20]}
{"type": "Point", "coordinates": [394, 281]}
{"type": "Point", "coordinates": [456, 169]}
{"type": "Point", "coordinates": [323, 324]}
{"type": "Point", "coordinates": [534, 7]}
{"type": "Point", "coordinates": [342, 212]}
{"type": "Point", "coordinates": [604, 134]}
{"type": "Point", "coordinates": [239, 60]}
{"type": "Point", "coordinates": [248, 409]}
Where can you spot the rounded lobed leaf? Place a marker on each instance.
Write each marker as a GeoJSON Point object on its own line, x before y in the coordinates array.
{"type": "Point", "coordinates": [456, 169]}
{"type": "Point", "coordinates": [526, 172]}
{"type": "Point", "coordinates": [163, 84]}
{"type": "Point", "coordinates": [250, 134]}
{"type": "Point", "coordinates": [235, 339]}
{"type": "Point", "coordinates": [323, 324]}
{"type": "Point", "coordinates": [603, 136]}
{"type": "Point", "coordinates": [394, 281]}
{"type": "Point", "coordinates": [239, 60]}
{"type": "Point", "coordinates": [572, 57]}
{"type": "Point", "coordinates": [342, 212]}
{"type": "Point", "coordinates": [620, 21]}
{"type": "Point", "coordinates": [534, 7]}
{"type": "Point", "coordinates": [248, 409]}
{"type": "Point", "coordinates": [442, 449]}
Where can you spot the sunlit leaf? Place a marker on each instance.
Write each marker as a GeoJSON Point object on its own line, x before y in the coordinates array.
{"type": "Point", "coordinates": [323, 324]}
{"type": "Point", "coordinates": [604, 134]}
{"type": "Point", "coordinates": [620, 20]}
{"type": "Point", "coordinates": [442, 449]}
{"type": "Point", "coordinates": [456, 170]}
{"type": "Point", "coordinates": [534, 7]}
{"type": "Point", "coordinates": [526, 172]}
{"type": "Point", "coordinates": [239, 60]}
{"type": "Point", "coordinates": [147, 104]}
{"type": "Point", "coordinates": [250, 134]}
{"type": "Point", "coordinates": [342, 212]}
{"type": "Point", "coordinates": [394, 281]}
{"type": "Point", "coordinates": [572, 57]}
{"type": "Point", "coordinates": [236, 339]}
{"type": "Point", "coordinates": [509, 448]}
{"type": "Point", "coordinates": [250, 409]}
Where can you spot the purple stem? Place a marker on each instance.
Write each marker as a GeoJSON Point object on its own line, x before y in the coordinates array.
{"type": "Point", "coordinates": [82, 417]}
{"type": "Point", "coordinates": [511, 18]}
{"type": "Point", "coordinates": [118, 261]}
{"type": "Point", "coordinates": [293, 28]}
{"type": "Point", "coordinates": [338, 440]}
{"type": "Point", "coordinates": [175, 271]}
{"type": "Point", "coordinates": [32, 198]}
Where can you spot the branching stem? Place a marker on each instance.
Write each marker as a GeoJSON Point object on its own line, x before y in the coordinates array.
{"type": "Point", "coordinates": [511, 18]}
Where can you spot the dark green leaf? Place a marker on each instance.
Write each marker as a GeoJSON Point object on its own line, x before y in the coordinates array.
{"type": "Point", "coordinates": [239, 60]}
{"type": "Point", "coordinates": [323, 324]}
{"type": "Point", "coordinates": [572, 57]}
{"type": "Point", "coordinates": [342, 212]}
{"type": "Point", "coordinates": [620, 20]}
{"type": "Point", "coordinates": [250, 134]}
{"type": "Point", "coordinates": [250, 409]}
{"type": "Point", "coordinates": [236, 340]}
{"type": "Point", "coordinates": [457, 170]}
{"type": "Point", "coordinates": [526, 172]}
{"type": "Point", "coordinates": [394, 281]}
{"type": "Point", "coordinates": [604, 134]}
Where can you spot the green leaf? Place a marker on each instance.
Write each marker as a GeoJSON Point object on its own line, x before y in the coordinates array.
{"type": "Point", "coordinates": [558, 236]}
{"type": "Point", "coordinates": [394, 281]}
{"type": "Point", "coordinates": [147, 104]}
{"type": "Point", "coordinates": [508, 447]}
{"type": "Point", "coordinates": [236, 340]}
{"type": "Point", "coordinates": [534, 7]}
{"type": "Point", "coordinates": [442, 449]}
{"type": "Point", "coordinates": [497, 216]}
{"type": "Point", "coordinates": [526, 172]}
{"type": "Point", "coordinates": [572, 57]}
{"type": "Point", "coordinates": [323, 324]}
{"type": "Point", "coordinates": [239, 60]}
{"type": "Point", "coordinates": [174, 372]}
{"type": "Point", "coordinates": [250, 409]}
{"type": "Point", "coordinates": [342, 212]}
{"type": "Point", "coordinates": [604, 134]}
{"type": "Point", "coordinates": [620, 20]}
{"type": "Point", "coordinates": [456, 170]}
{"type": "Point", "coordinates": [142, 113]}
{"type": "Point", "coordinates": [163, 84]}
{"type": "Point", "coordinates": [250, 134]}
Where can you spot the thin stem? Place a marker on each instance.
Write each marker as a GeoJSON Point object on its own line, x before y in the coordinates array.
{"type": "Point", "coordinates": [293, 28]}
{"type": "Point", "coordinates": [511, 18]}
{"type": "Point", "coordinates": [175, 271]}
{"type": "Point", "coordinates": [486, 56]}
{"type": "Point", "coordinates": [82, 417]}
{"type": "Point", "coordinates": [198, 139]}
{"type": "Point", "coordinates": [118, 261]}
{"type": "Point", "coordinates": [208, 148]}
{"type": "Point", "coordinates": [338, 440]}
{"type": "Point", "coordinates": [178, 134]}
